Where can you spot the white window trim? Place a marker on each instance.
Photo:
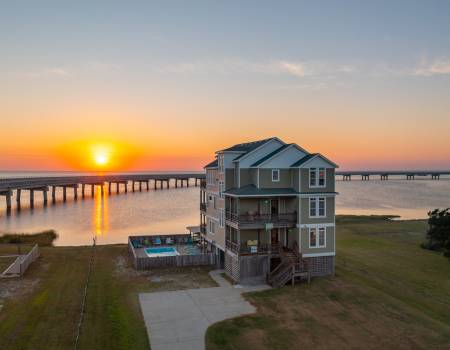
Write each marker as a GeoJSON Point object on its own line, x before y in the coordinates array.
{"type": "Point", "coordinates": [276, 171]}
{"type": "Point", "coordinates": [317, 172]}
{"type": "Point", "coordinates": [317, 228]}
{"type": "Point", "coordinates": [221, 189]}
{"type": "Point", "coordinates": [221, 218]}
{"type": "Point", "coordinates": [317, 207]}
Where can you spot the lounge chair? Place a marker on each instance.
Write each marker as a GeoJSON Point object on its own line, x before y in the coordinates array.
{"type": "Point", "coordinates": [169, 240]}
{"type": "Point", "coordinates": [146, 242]}
{"type": "Point", "coordinates": [157, 241]}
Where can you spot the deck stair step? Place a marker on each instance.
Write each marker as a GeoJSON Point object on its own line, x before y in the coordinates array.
{"type": "Point", "coordinates": [292, 266]}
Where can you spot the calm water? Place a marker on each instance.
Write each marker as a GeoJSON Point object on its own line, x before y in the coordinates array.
{"type": "Point", "coordinates": [114, 217]}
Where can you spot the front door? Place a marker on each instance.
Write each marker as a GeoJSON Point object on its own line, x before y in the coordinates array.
{"type": "Point", "coordinates": [274, 238]}
{"type": "Point", "coordinates": [274, 206]}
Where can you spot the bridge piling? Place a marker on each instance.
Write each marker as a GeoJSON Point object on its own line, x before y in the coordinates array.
{"type": "Point", "coordinates": [18, 194]}
{"type": "Point", "coordinates": [92, 190]}
{"type": "Point", "coordinates": [8, 195]}
{"type": "Point", "coordinates": [82, 190]}
{"type": "Point", "coordinates": [53, 194]}
{"type": "Point", "coordinates": [75, 192]}
{"type": "Point", "coordinates": [44, 194]}
{"type": "Point", "coordinates": [31, 198]}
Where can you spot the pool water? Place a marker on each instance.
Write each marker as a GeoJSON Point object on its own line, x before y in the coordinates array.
{"type": "Point", "coordinates": [161, 251]}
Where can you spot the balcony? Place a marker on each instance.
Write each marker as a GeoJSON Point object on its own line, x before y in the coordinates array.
{"type": "Point", "coordinates": [244, 249]}
{"type": "Point", "coordinates": [203, 229]}
{"type": "Point", "coordinates": [256, 220]}
{"type": "Point", "coordinates": [203, 207]}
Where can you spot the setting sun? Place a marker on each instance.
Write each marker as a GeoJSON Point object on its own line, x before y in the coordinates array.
{"type": "Point", "coordinates": [100, 159]}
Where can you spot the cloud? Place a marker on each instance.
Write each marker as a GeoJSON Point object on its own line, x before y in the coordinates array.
{"type": "Point", "coordinates": [48, 72]}
{"type": "Point", "coordinates": [103, 66]}
{"type": "Point", "coordinates": [295, 69]}
{"type": "Point", "coordinates": [437, 67]}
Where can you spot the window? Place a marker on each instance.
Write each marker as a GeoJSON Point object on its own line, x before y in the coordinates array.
{"type": "Point", "coordinates": [317, 177]}
{"type": "Point", "coordinates": [210, 177]}
{"type": "Point", "coordinates": [317, 237]}
{"type": "Point", "coordinates": [221, 189]}
{"type": "Point", "coordinates": [317, 207]}
{"type": "Point", "coordinates": [275, 175]}
{"type": "Point", "coordinates": [210, 198]}
{"type": "Point", "coordinates": [215, 202]}
{"type": "Point", "coordinates": [221, 217]}
{"type": "Point", "coordinates": [211, 227]}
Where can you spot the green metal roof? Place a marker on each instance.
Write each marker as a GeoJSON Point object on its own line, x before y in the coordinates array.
{"type": "Point", "coordinates": [270, 155]}
{"type": "Point", "coordinates": [246, 147]}
{"type": "Point", "coordinates": [213, 164]}
{"type": "Point", "coordinates": [253, 191]}
{"type": "Point", "coordinates": [304, 160]}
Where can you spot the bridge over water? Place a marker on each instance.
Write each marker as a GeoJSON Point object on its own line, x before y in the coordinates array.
{"type": "Point", "coordinates": [384, 174]}
{"type": "Point", "coordinates": [43, 184]}
{"type": "Point", "coordinates": [101, 182]}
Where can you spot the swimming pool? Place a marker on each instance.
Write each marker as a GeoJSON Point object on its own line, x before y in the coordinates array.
{"type": "Point", "coordinates": [161, 251]}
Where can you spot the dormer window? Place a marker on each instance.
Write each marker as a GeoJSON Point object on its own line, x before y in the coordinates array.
{"type": "Point", "coordinates": [317, 177]}
{"type": "Point", "coordinates": [275, 175]}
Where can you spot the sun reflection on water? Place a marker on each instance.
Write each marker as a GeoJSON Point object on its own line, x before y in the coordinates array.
{"type": "Point", "coordinates": [100, 215]}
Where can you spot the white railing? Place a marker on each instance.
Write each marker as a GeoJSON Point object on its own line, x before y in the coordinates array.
{"type": "Point", "coordinates": [21, 264]}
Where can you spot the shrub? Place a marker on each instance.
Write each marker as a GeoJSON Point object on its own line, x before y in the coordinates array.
{"type": "Point", "coordinates": [44, 238]}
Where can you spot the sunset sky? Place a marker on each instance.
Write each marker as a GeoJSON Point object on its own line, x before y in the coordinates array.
{"type": "Point", "coordinates": [162, 85]}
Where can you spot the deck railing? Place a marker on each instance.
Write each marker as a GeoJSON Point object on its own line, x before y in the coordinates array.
{"type": "Point", "coordinates": [248, 219]}
{"type": "Point", "coordinates": [203, 206]}
{"type": "Point", "coordinates": [261, 248]}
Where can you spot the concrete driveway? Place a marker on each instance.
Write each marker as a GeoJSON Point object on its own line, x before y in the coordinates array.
{"type": "Point", "coordinates": [179, 319]}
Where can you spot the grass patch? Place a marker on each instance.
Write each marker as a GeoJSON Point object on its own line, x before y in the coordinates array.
{"type": "Point", "coordinates": [46, 316]}
{"type": "Point", "coordinates": [387, 293]}
{"type": "Point", "coordinates": [43, 239]}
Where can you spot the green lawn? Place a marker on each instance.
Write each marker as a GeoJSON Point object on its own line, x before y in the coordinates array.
{"type": "Point", "coordinates": [387, 293]}
{"type": "Point", "coordinates": [47, 317]}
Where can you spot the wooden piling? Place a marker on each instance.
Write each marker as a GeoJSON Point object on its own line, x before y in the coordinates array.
{"type": "Point", "coordinates": [75, 192]}
{"type": "Point", "coordinates": [53, 194]}
{"type": "Point", "coordinates": [92, 190]}
{"type": "Point", "coordinates": [31, 199]}
{"type": "Point", "coordinates": [44, 193]}
{"type": "Point", "coordinates": [64, 193]}
{"type": "Point", "coordinates": [82, 190]}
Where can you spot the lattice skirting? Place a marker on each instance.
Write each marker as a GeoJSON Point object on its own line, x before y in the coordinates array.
{"type": "Point", "coordinates": [232, 266]}
{"type": "Point", "coordinates": [321, 265]}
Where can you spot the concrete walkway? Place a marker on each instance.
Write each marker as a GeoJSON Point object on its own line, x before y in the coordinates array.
{"type": "Point", "coordinates": [179, 319]}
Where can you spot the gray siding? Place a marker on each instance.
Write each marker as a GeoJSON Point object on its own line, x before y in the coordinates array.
{"type": "Point", "coordinates": [229, 179]}
{"type": "Point", "coordinates": [265, 179]}
{"type": "Point", "coordinates": [246, 177]}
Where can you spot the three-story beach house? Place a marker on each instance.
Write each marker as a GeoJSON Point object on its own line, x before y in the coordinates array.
{"type": "Point", "coordinates": [267, 208]}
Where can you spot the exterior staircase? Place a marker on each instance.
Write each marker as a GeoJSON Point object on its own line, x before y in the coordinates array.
{"type": "Point", "coordinates": [291, 267]}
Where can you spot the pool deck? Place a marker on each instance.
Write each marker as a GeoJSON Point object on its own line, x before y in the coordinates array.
{"type": "Point", "coordinates": [179, 319]}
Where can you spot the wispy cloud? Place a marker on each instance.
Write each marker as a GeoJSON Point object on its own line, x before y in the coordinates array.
{"type": "Point", "coordinates": [297, 69]}
{"type": "Point", "coordinates": [47, 72]}
{"type": "Point", "coordinates": [99, 66]}
{"type": "Point", "coordinates": [437, 67]}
